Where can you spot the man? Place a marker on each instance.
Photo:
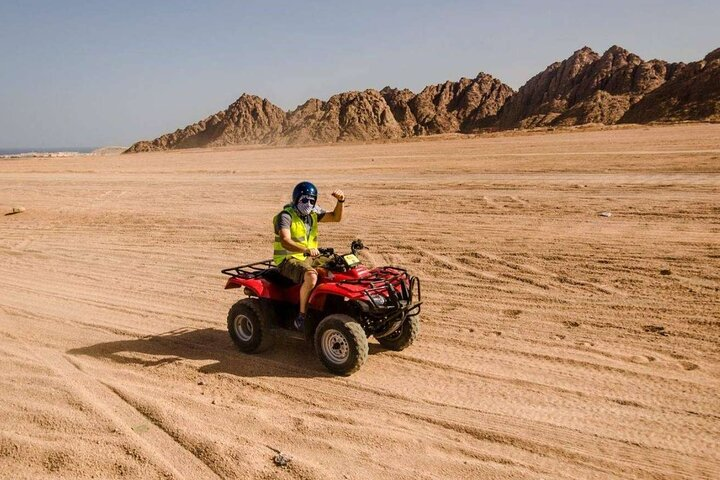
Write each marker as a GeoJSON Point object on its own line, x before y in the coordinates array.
{"type": "Point", "coordinates": [295, 250]}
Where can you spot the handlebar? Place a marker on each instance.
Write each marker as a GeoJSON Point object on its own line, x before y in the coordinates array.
{"type": "Point", "coordinates": [355, 246]}
{"type": "Point", "coordinates": [323, 251]}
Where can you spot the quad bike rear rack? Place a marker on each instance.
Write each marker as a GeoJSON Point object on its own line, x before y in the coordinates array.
{"type": "Point", "coordinates": [250, 270]}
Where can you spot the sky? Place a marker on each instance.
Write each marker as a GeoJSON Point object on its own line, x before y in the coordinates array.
{"type": "Point", "coordinates": [93, 73]}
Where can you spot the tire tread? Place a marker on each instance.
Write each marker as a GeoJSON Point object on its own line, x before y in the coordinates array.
{"type": "Point", "coordinates": [357, 338]}
{"type": "Point", "coordinates": [253, 307]}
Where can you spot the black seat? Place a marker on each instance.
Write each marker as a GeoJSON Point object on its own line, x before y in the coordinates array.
{"type": "Point", "coordinates": [274, 276]}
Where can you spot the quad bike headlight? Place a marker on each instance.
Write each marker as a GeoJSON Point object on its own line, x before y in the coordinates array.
{"type": "Point", "coordinates": [379, 300]}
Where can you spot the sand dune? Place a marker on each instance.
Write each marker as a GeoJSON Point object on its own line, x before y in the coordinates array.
{"type": "Point", "coordinates": [555, 343]}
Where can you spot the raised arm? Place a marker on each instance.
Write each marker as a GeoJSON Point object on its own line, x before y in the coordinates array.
{"type": "Point", "coordinates": [336, 214]}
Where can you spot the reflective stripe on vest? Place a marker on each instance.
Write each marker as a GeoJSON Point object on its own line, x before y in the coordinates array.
{"type": "Point", "coordinates": [297, 233]}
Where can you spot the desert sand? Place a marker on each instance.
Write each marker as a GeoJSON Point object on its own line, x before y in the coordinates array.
{"type": "Point", "coordinates": [555, 343]}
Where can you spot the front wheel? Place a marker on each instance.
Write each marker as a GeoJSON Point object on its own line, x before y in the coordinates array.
{"type": "Point", "coordinates": [341, 344]}
{"type": "Point", "coordinates": [404, 336]}
{"type": "Point", "coordinates": [248, 327]}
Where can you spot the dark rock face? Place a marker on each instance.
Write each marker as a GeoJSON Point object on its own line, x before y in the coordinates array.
{"type": "Point", "coordinates": [486, 96]}
{"type": "Point", "coordinates": [544, 96]}
{"type": "Point", "coordinates": [617, 86]}
{"type": "Point", "coordinates": [585, 88]}
{"type": "Point", "coordinates": [600, 107]}
{"type": "Point", "coordinates": [712, 56]}
{"type": "Point", "coordinates": [399, 103]}
{"type": "Point", "coordinates": [692, 93]}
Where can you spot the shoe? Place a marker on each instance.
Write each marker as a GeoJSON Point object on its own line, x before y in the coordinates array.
{"type": "Point", "coordinates": [299, 322]}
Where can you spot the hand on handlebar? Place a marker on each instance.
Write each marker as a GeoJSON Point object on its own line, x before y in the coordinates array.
{"type": "Point", "coordinates": [312, 252]}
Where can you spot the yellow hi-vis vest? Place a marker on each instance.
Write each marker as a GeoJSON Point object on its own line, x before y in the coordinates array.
{"type": "Point", "coordinates": [297, 233]}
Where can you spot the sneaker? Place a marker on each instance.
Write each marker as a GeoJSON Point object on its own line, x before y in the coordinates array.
{"type": "Point", "coordinates": [299, 322]}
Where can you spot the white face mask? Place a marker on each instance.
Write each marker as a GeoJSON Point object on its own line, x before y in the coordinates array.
{"type": "Point", "coordinates": [305, 207]}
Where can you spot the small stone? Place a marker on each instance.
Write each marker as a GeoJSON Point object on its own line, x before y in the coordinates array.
{"type": "Point", "coordinates": [141, 428]}
{"type": "Point", "coordinates": [201, 382]}
{"type": "Point", "coordinates": [605, 214]}
{"type": "Point", "coordinates": [665, 271]}
{"type": "Point", "coordinates": [659, 329]}
{"type": "Point", "coordinates": [471, 330]}
{"type": "Point", "coordinates": [282, 460]}
{"type": "Point", "coordinates": [15, 210]}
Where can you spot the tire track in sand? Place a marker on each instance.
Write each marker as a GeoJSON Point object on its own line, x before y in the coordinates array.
{"type": "Point", "coordinates": [157, 443]}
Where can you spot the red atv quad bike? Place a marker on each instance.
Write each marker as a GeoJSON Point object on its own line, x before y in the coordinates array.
{"type": "Point", "coordinates": [349, 303]}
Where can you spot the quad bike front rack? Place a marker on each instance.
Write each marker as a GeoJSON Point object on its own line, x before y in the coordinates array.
{"type": "Point", "coordinates": [403, 296]}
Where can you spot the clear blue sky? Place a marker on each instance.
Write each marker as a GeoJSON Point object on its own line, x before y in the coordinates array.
{"type": "Point", "coordinates": [94, 73]}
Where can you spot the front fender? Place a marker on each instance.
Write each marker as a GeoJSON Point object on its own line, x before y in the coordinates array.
{"type": "Point", "coordinates": [322, 291]}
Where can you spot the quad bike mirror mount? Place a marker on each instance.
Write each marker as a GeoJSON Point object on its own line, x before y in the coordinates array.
{"type": "Point", "coordinates": [357, 245]}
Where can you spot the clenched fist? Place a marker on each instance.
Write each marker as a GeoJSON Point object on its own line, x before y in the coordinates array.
{"type": "Point", "coordinates": [339, 195]}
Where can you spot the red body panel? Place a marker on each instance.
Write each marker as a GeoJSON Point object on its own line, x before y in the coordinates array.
{"type": "Point", "coordinates": [264, 289]}
{"type": "Point", "coordinates": [329, 283]}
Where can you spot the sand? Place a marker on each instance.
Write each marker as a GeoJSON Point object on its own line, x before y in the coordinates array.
{"type": "Point", "coordinates": [555, 343]}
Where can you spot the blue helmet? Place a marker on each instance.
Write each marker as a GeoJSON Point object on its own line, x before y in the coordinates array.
{"type": "Point", "coordinates": [304, 188]}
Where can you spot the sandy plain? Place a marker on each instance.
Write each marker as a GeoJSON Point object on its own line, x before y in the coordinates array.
{"type": "Point", "coordinates": [552, 346]}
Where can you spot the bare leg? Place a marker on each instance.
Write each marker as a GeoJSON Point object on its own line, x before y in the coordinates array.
{"type": "Point", "coordinates": [309, 282]}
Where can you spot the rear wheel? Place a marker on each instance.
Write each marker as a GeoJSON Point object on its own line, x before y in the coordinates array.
{"type": "Point", "coordinates": [341, 344]}
{"type": "Point", "coordinates": [404, 336]}
{"type": "Point", "coordinates": [248, 327]}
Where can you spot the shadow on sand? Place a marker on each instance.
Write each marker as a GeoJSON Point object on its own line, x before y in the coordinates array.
{"type": "Point", "coordinates": [288, 357]}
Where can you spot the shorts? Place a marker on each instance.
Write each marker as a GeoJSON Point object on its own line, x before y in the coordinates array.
{"type": "Point", "coordinates": [294, 268]}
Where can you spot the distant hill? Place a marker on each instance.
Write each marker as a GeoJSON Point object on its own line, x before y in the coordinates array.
{"type": "Point", "coordinates": [615, 87]}
{"type": "Point", "coordinates": [111, 150]}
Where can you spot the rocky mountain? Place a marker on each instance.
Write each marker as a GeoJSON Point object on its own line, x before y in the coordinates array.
{"type": "Point", "coordinates": [249, 120]}
{"type": "Point", "coordinates": [399, 103]}
{"type": "Point", "coordinates": [617, 86]}
{"type": "Point", "coordinates": [461, 106]}
{"type": "Point", "coordinates": [344, 117]}
{"type": "Point", "coordinates": [465, 105]}
{"type": "Point", "coordinates": [585, 88]}
{"type": "Point", "coordinates": [693, 93]}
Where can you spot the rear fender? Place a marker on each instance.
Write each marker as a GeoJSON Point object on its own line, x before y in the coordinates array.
{"type": "Point", "coordinates": [255, 286]}
{"type": "Point", "coordinates": [261, 288]}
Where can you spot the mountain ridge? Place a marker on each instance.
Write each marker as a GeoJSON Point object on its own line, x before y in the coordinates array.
{"type": "Point", "coordinates": [587, 87]}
